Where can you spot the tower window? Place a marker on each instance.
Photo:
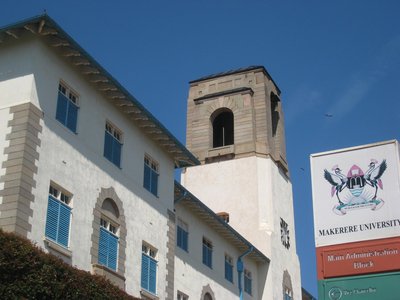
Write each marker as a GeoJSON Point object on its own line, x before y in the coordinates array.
{"type": "Point", "coordinates": [274, 113]}
{"type": "Point", "coordinates": [223, 129]}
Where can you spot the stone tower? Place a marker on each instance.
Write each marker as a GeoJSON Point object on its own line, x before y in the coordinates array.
{"type": "Point", "coordinates": [235, 127]}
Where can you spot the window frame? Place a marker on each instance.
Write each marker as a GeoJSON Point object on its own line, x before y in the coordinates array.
{"type": "Point", "coordinates": [248, 282]}
{"type": "Point", "coordinates": [181, 296]}
{"type": "Point", "coordinates": [151, 174]}
{"type": "Point", "coordinates": [149, 268]}
{"type": "Point", "coordinates": [228, 268]}
{"type": "Point", "coordinates": [207, 252]}
{"type": "Point", "coordinates": [113, 143]}
{"type": "Point", "coordinates": [223, 119]}
{"type": "Point", "coordinates": [58, 215]}
{"type": "Point", "coordinates": [67, 107]}
{"type": "Point", "coordinates": [182, 235]}
{"type": "Point", "coordinates": [108, 243]}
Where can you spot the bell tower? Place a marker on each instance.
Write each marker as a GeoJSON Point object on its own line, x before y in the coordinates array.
{"type": "Point", "coordinates": [235, 127]}
{"type": "Point", "coordinates": [236, 114]}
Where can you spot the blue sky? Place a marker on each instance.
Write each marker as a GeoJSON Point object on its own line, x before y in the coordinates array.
{"type": "Point", "coordinates": [340, 58]}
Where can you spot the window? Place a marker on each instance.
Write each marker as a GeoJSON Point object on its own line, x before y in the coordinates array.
{"type": "Point", "coordinates": [182, 296]}
{"type": "Point", "coordinates": [182, 235]}
{"type": "Point", "coordinates": [274, 113]}
{"type": "Point", "coordinates": [228, 268]}
{"type": "Point", "coordinates": [108, 244]}
{"type": "Point", "coordinates": [58, 216]}
{"type": "Point", "coordinates": [287, 286]}
{"type": "Point", "coordinates": [207, 252]}
{"type": "Point", "coordinates": [247, 281]}
{"type": "Point", "coordinates": [113, 144]}
{"type": "Point", "coordinates": [108, 240]}
{"type": "Point", "coordinates": [149, 268]}
{"type": "Point", "coordinates": [67, 107]}
{"type": "Point", "coordinates": [223, 129]}
{"type": "Point", "coordinates": [150, 177]}
{"type": "Point", "coordinates": [207, 296]}
{"type": "Point", "coordinates": [287, 295]}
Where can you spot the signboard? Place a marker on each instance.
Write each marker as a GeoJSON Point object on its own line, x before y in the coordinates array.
{"type": "Point", "coordinates": [356, 194]}
{"type": "Point", "coordinates": [358, 258]}
{"type": "Point", "coordinates": [368, 287]}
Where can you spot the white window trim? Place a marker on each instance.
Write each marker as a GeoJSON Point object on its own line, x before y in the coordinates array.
{"type": "Point", "coordinates": [69, 91]}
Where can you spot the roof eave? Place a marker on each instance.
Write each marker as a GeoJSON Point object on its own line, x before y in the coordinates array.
{"type": "Point", "coordinates": [236, 71]}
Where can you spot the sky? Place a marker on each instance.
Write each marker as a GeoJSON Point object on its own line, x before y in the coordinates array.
{"type": "Point", "coordinates": [337, 64]}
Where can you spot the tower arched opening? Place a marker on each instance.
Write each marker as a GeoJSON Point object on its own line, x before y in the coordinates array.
{"type": "Point", "coordinates": [223, 129]}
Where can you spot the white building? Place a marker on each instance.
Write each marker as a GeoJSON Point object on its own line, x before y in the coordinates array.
{"type": "Point", "coordinates": [87, 173]}
{"type": "Point", "coordinates": [212, 260]}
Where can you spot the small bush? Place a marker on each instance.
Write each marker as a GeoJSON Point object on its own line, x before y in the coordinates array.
{"type": "Point", "coordinates": [26, 272]}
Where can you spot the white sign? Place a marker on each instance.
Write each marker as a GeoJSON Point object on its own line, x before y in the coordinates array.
{"type": "Point", "coordinates": [356, 194]}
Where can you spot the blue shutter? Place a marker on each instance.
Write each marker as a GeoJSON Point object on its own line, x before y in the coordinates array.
{"type": "Point", "coordinates": [108, 143]}
{"type": "Point", "coordinates": [112, 251]}
{"type": "Point", "coordinates": [72, 117]}
{"type": "Point", "coordinates": [63, 224]}
{"type": "Point", "coordinates": [210, 258]}
{"type": "Point", "coordinates": [52, 219]}
{"type": "Point", "coordinates": [62, 103]}
{"type": "Point", "coordinates": [228, 271]}
{"type": "Point", "coordinates": [145, 272]}
{"type": "Point", "coordinates": [152, 276]}
{"type": "Point", "coordinates": [204, 254]}
{"type": "Point", "coordinates": [116, 152]}
{"type": "Point", "coordinates": [146, 177]}
{"type": "Point", "coordinates": [154, 182]}
{"type": "Point", "coordinates": [185, 240]}
{"type": "Point", "coordinates": [179, 241]}
{"type": "Point", "coordinates": [247, 285]}
{"type": "Point", "coordinates": [103, 246]}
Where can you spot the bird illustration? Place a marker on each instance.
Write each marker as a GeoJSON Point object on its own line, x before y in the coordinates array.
{"type": "Point", "coordinates": [374, 174]}
{"type": "Point", "coordinates": [338, 181]}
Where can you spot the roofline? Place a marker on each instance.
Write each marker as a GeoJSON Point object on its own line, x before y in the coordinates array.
{"type": "Point", "coordinates": [236, 71]}
{"type": "Point", "coordinates": [94, 63]}
{"type": "Point", "coordinates": [188, 195]}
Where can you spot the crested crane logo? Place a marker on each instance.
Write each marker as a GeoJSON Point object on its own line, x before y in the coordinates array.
{"type": "Point", "coordinates": [358, 189]}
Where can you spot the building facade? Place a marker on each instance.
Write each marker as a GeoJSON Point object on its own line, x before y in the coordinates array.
{"type": "Point", "coordinates": [211, 254]}
{"type": "Point", "coordinates": [87, 174]}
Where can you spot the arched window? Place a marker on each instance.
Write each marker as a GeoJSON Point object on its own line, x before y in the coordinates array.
{"type": "Point", "coordinates": [108, 240]}
{"type": "Point", "coordinates": [223, 129]}
{"type": "Point", "coordinates": [108, 252]}
{"type": "Point", "coordinates": [207, 293]}
{"type": "Point", "coordinates": [207, 296]}
{"type": "Point", "coordinates": [287, 286]}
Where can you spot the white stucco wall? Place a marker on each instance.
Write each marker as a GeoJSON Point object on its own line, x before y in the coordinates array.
{"type": "Point", "coordinates": [256, 195]}
{"type": "Point", "coordinates": [191, 275]}
{"type": "Point", "coordinates": [76, 162]}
